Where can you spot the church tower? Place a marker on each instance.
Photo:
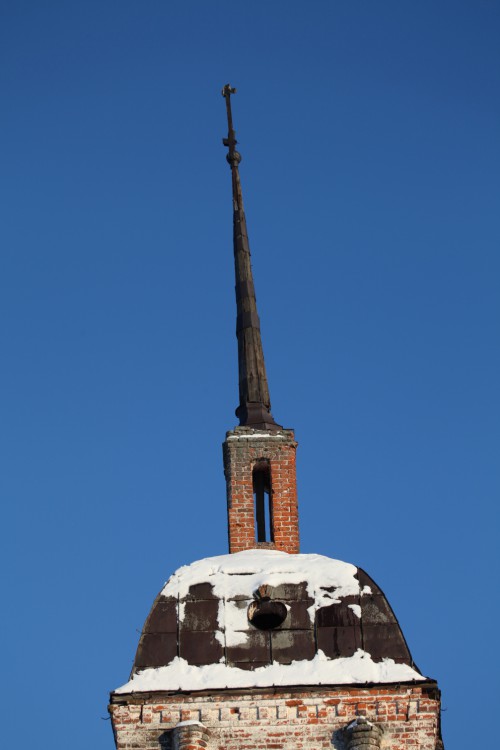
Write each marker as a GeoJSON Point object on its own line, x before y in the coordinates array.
{"type": "Point", "coordinates": [265, 647]}
{"type": "Point", "coordinates": [259, 455]}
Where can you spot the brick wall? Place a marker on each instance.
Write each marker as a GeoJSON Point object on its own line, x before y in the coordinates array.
{"type": "Point", "coordinates": [408, 718]}
{"type": "Point", "coordinates": [243, 448]}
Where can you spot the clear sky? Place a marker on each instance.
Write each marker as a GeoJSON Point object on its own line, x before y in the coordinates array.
{"type": "Point", "coordinates": [371, 159]}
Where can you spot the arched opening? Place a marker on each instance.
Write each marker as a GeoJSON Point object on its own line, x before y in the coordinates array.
{"type": "Point", "coordinates": [262, 493]}
{"type": "Point", "coordinates": [266, 614]}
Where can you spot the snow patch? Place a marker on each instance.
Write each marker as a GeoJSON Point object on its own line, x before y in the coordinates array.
{"type": "Point", "coordinates": [356, 609]}
{"type": "Point", "coordinates": [242, 573]}
{"type": "Point", "coordinates": [258, 436]}
{"type": "Point", "coordinates": [235, 623]}
{"type": "Point", "coordinates": [182, 610]}
{"type": "Point", "coordinates": [356, 669]}
{"type": "Point", "coordinates": [358, 722]}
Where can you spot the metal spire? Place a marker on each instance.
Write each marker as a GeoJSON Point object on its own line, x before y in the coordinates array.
{"type": "Point", "coordinates": [254, 409]}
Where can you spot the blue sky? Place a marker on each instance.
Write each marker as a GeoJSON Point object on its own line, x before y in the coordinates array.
{"type": "Point", "coordinates": [371, 155]}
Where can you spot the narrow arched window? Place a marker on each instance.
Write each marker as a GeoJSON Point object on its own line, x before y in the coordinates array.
{"type": "Point", "coordinates": [261, 477]}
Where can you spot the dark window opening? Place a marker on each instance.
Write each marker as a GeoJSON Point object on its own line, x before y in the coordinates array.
{"type": "Point", "coordinates": [266, 614]}
{"type": "Point", "coordinates": [262, 502]}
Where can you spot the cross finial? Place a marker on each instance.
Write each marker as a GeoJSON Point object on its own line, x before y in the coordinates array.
{"type": "Point", "coordinates": [233, 156]}
{"type": "Point", "coordinates": [227, 90]}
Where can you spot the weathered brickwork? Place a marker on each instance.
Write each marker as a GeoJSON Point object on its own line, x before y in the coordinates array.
{"type": "Point", "coordinates": [188, 736]}
{"type": "Point", "coordinates": [403, 718]}
{"type": "Point", "coordinates": [243, 449]}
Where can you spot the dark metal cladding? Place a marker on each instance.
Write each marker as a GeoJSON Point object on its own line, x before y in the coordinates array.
{"type": "Point", "coordinates": [200, 647]}
{"type": "Point", "coordinates": [365, 580]}
{"type": "Point", "coordinates": [297, 602]}
{"type": "Point", "coordinates": [338, 615]}
{"type": "Point", "coordinates": [382, 634]}
{"type": "Point", "coordinates": [256, 647]}
{"type": "Point", "coordinates": [339, 642]}
{"type": "Point", "coordinates": [376, 610]}
{"type": "Point", "coordinates": [337, 629]}
{"type": "Point", "coordinates": [293, 645]}
{"type": "Point", "coordinates": [254, 409]}
{"type": "Point", "coordinates": [201, 591]}
{"type": "Point", "coordinates": [290, 592]}
{"type": "Point", "coordinates": [156, 650]}
{"type": "Point", "coordinates": [201, 615]}
{"type": "Point", "coordinates": [380, 640]}
{"type": "Point", "coordinates": [163, 617]}
{"type": "Point", "coordinates": [198, 642]}
{"type": "Point", "coordinates": [298, 616]}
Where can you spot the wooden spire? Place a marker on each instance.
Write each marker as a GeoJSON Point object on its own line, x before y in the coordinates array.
{"type": "Point", "coordinates": [254, 409]}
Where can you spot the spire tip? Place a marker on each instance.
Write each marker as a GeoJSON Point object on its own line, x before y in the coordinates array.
{"type": "Point", "coordinates": [227, 90]}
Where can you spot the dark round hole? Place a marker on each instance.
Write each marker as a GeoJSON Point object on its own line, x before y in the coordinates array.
{"type": "Point", "coordinates": [266, 614]}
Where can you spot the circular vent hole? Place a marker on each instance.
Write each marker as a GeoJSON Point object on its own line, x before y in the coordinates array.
{"type": "Point", "coordinates": [266, 614]}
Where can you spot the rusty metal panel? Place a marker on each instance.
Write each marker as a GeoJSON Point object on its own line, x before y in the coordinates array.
{"type": "Point", "coordinates": [156, 650]}
{"type": "Point", "coordinates": [290, 645]}
{"type": "Point", "coordinates": [339, 641]}
{"type": "Point", "coordinates": [257, 647]}
{"type": "Point", "coordinates": [201, 591]}
{"type": "Point", "coordinates": [298, 617]}
{"type": "Point", "coordinates": [199, 647]}
{"type": "Point", "coordinates": [365, 580]}
{"type": "Point", "coordinates": [385, 641]}
{"type": "Point", "coordinates": [376, 610]}
{"type": "Point", "coordinates": [338, 615]}
{"type": "Point", "coordinates": [201, 615]}
{"type": "Point", "coordinates": [163, 616]}
{"type": "Point", "coordinates": [291, 591]}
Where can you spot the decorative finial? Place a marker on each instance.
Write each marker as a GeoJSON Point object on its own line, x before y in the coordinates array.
{"type": "Point", "coordinates": [227, 90]}
{"type": "Point", "coordinates": [233, 157]}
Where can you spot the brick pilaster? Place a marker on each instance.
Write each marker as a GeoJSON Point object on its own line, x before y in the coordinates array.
{"type": "Point", "coordinates": [190, 736]}
{"type": "Point", "coordinates": [361, 734]}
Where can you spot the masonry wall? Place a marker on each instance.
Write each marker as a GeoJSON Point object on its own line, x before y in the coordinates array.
{"type": "Point", "coordinates": [405, 718]}
{"type": "Point", "coordinates": [243, 448]}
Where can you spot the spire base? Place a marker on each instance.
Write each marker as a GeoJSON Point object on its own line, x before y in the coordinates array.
{"type": "Point", "coordinates": [256, 415]}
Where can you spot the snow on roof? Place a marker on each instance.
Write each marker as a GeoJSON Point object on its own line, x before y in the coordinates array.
{"type": "Point", "coordinates": [242, 573]}
{"type": "Point", "coordinates": [356, 669]}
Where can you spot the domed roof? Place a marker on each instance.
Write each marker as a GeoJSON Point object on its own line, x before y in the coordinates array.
{"type": "Point", "coordinates": [263, 618]}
